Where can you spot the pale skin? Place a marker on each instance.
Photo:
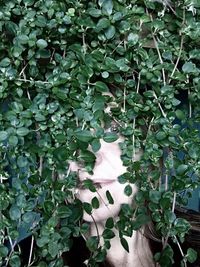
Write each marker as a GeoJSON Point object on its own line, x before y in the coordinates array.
{"type": "Point", "coordinates": [108, 167]}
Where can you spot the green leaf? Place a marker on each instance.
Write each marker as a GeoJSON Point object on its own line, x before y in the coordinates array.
{"type": "Point", "coordinates": [103, 23]}
{"type": "Point", "coordinates": [61, 153]}
{"type": "Point", "coordinates": [88, 184]}
{"type": "Point", "coordinates": [15, 213]}
{"type": "Point", "coordinates": [92, 243]}
{"type": "Point", "coordinates": [110, 32]}
{"type": "Point", "coordinates": [64, 212]}
{"type": "Point", "coordinates": [124, 244]}
{"type": "Point", "coordinates": [128, 190]}
{"type": "Point", "coordinates": [133, 39]}
{"type": "Point", "coordinates": [105, 74]}
{"type": "Point", "coordinates": [191, 255]}
{"type": "Point", "coordinates": [94, 12]}
{"type": "Point", "coordinates": [87, 208]}
{"type": "Point", "coordinates": [96, 145]}
{"type": "Point", "coordinates": [87, 156]}
{"type": "Point", "coordinates": [22, 131]}
{"type": "Point", "coordinates": [182, 169]}
{"type": "Point", "coordinates": [23, 39]}
{"type": "Point", "coordinates": [84, 135]}
{"type": "Point", "coordinates": [95, 203]}
{"type": "Point", "coordinates": [41, 43]}
{"type": "Point", "coordinates": [107, 6]}
{"type": "Point", "coordinates": [53, 249]}
{"type": "Point", "coordinates": [108, 234]}
{"type": "Point", "coordinates": [180, 114]}
{"type": "Point", "coordinates": [22, 161]}
{"type": "Point", "coordinates": [3, 135]}
{"type": "Point", "coordinates": [109, 197]}
{"type": "Point", "coordinates": [5, 62]}
{"type": "Point", "coordinates": [3, 251]}
{"type": "Point", "coordinates": [169, 216]}
{"type": "Point", "coordinates": [189, 67]}
{"type": "Point", "coordinates": [155, 196]}
{"type": "Point", "coordinates": [41, 242]}
{"type": "Point", "coordinates": [15, 261]}
{"type": "Point", "coordinates": [110, 137]}
{"type": "Point", "coordinates": [101, 87]}
{"type": "Point", "coordinates": [109, 223]}
{"type": "Point", "coordinates": [161, 135]}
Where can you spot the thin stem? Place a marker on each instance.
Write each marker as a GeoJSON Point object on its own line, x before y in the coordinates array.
{"type": "Point", "coordinates": [181, 251]}
{"type": "Point", "coordinates": [22, 71]}
{"type": "Point", "coordinates": [166, 182]}
{"type": "Point", "coordinates": [161, 109]}
{"type": "Point", "coordinates": [158, 51]}
{"type": "Point", "coordinates": [178, 59]}
{"type": "Point", "coordinates": [190, 106]}
{"type": "Point", "coordinates": [160, 58]}
{"type": "Point", "coordinates": [31, 251]}
{"type": "Point", "coordinates": [124, 102]}
{"type": "Point", "coordinates": [84, 43]}
{"type": "Point", "coordinates": [174, 202]}
{"type": "Point", "coordinates": [30, 81]}
{"type": "Point", "coordinates": [41, 166]}
{"type": "Point", "coordinates": [138, 84]}
{"type": "Point", "coordinates": [180, 50]}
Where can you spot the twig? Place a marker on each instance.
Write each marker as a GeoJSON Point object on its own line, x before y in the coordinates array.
{"type": "Point", "coordinates": [190, 106]}
{"type": "Point", "coordinates": [174, 202]}
{"type": "Point", "coordinates": [31, 251]}
{"type": "Point", "coordinates": [181, 251]}
{"type": "Point", "coordinates": [95, 224]}
{"type": "Point", "coordinates": [177, 61]}
{"type": "Point", "coordinates": [41, 166]}
{"type": "Point", "coordinates": [180, 50]}
{"type": "Point", "coordinates": [28, 94]}
{"type": "Point", "coordinates": [22, 71]}
{"type": "Point", "coordinates": [158, 51]}
{"type": "Point", "coordinates": [124, 101]}
{"type": "Point", "coordinates": [138, 83]}
{"type": "Point", "coordinates": [161, 109]}
{"type": "Point", "coordinates": [30, 81]}
{"type": "Point", "coordinates": [84, 43]}
{"type": "Point", "coordinates": [173, 208]}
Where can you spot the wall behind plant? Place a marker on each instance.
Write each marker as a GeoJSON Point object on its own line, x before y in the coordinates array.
{"type": "Point", "coordinates": [57, 58]}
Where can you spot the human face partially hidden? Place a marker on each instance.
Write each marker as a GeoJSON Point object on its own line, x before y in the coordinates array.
{"type": "Point", "coordinates": [108, 167]}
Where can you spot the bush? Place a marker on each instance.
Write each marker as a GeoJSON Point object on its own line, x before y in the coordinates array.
{"type": "Point", "coordinates": [57, 59]}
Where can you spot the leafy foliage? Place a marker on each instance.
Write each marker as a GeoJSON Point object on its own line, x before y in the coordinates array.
{"type": "Point", "coordinates": [57, 60]}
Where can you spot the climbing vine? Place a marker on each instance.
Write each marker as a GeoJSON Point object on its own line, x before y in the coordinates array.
{"type": "Point", "coordinates": [57, 60]}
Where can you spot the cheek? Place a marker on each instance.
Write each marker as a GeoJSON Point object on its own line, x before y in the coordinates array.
{"type": "Point", "coordinates": [73, 166]}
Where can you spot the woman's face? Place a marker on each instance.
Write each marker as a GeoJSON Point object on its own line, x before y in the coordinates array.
{"type": "Point", "coordinates": [108, 167]}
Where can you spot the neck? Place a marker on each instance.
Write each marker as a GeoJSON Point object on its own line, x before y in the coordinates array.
{"type": "Point", "coordinates": [139, 254]}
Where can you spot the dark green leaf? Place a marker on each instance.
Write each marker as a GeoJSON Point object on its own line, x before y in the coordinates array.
{"type": "Point", "coordinates": [84, 135]}
{"type": "Point", "coordinates": [3, 135]}
{"type": "Point", "coordinates": [124, 244]}
{"type": "Point", "coordinates": [108, 234]}
{"type": "Point", "coordinates": [109, 197]}
{"type": "Point", "coordinates": [101, 87]}
{"type": "Point", "coordinates": [110, 137]}
{"type": "Point", "coordinates": [22, 131]}
{"type": "Point", "coordinates": [95, 203]}
{"type": "Point", "coordinates": [41, 43]}
{"type": "Point", "coordinates": [191, 255]}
